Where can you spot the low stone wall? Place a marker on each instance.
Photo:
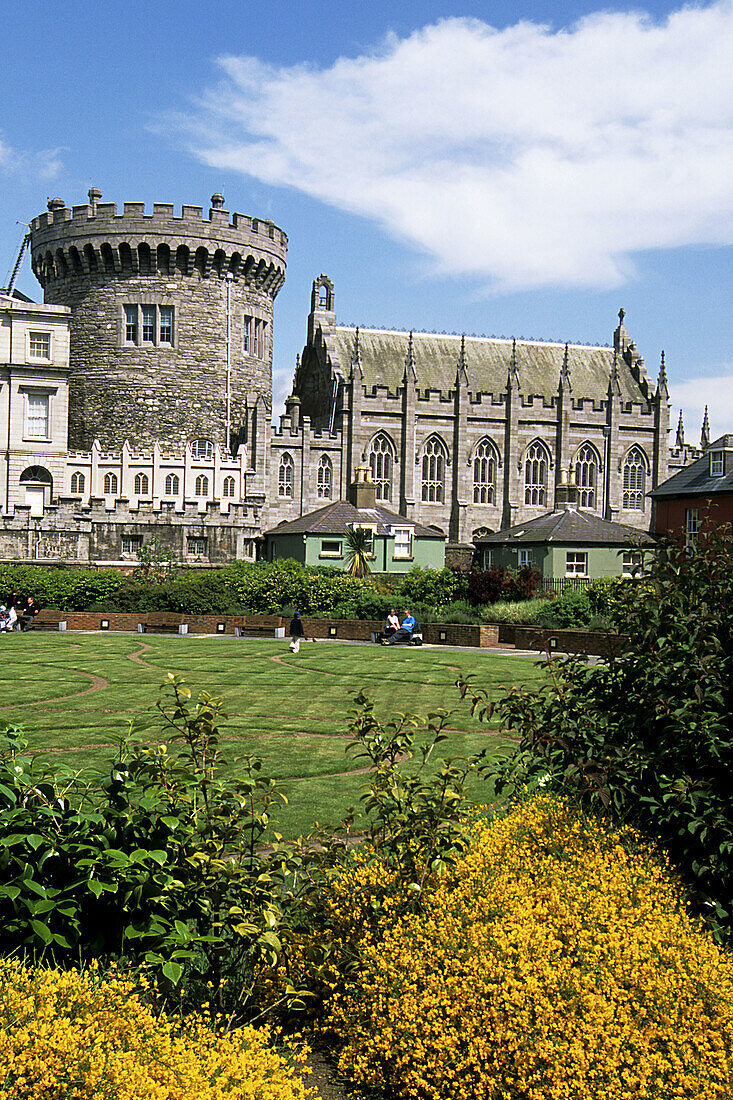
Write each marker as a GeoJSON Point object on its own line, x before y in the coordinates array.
{"type": "Point", "coordinates": [586, 642]}
{"type": "Point", "coordinates": [455, 634]}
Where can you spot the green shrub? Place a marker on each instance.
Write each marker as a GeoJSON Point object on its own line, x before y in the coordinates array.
{"type": "Point", "coordinates": [431, 587]}
{"type": "Point", "coordinates": [572, 609]}
{"type": "Point", "coordinates": [521, 613]}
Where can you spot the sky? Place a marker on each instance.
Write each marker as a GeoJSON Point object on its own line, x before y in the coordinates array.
{"type": "Point", "coordinates": [516, 169]}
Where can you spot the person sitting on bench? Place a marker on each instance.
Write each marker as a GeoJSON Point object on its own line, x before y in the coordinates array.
{"type": "Point", "coordinates": [30, 610]}
{"type": "Point", "coordinates": [404, 634]}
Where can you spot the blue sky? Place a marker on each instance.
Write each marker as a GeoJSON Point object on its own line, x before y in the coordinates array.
{"type": "Point", "coordinates": [517, 169]}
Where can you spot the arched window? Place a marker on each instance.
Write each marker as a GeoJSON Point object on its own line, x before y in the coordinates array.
{"type": "Point", "coordinates": [141, 485]}
{"type": "Point", "coordinates": [484, 473]}
{"type": "Point", "coordinates": [110, 484]}
{"type": "Point", "coordinates": [202, 448]}
{"type": "Point", "coordinates": [634, 480]}
{"type": "Point", "coordinates": [285, 477]}
{"type": "Point", "coordinates": [172, 485]}
{"type": "Point", "coordinates": [228, 487]}
{"type": "Point", "coordinates": [381, 460]}
{"type": "Point", "coordinates": [536, 466]}
{"type": "Point", "coordinates": [202, 486]}
{"type": "Point", "coordinates": [325, 477]}
{"type": "Point", "coordinates": [433, 470]}
{"type": "Point", "coordinates": [78, 482]}
{"type": "Point", "coordinates": [586, 475]}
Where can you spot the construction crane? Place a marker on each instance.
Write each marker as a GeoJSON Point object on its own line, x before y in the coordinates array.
{"type": "Point", "coordinates": [18, 262]}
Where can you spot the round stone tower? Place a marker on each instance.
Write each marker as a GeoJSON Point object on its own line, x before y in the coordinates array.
{"type": "Point", "coordinates": [171, 322]}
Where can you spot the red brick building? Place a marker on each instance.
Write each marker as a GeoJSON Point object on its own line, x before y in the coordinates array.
{"type": "Point", "coordinates": [700, 494]}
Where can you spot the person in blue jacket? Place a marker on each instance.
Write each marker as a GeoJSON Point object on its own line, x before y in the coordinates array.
{"type": "Point", "coordinates": [404, 634]}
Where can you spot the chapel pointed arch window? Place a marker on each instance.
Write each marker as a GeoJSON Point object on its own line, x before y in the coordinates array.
{"type": "Point", "coordinates": [434, 461]}
{"type": "Point", "coordinates": [484, 472]}
{"type": "Point", "coordinates": [285, 477]}
{"type": "Point", "coordinates": [536, 472]}
{"type": "Point", "coordinates": [634, 480]}
{"type": "Point", "coordinates": [324, 479]}
{"type": "Point", "coordinates": [381, 460]}
{"type": "Point", "coordinates": [586, 467]}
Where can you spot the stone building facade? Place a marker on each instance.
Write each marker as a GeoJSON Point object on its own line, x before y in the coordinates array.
{"type": "Point", "coordinates": [138, 401]}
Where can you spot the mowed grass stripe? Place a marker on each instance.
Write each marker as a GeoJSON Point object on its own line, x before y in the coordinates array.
{"type": "Point", "coordinates": [292, 712]}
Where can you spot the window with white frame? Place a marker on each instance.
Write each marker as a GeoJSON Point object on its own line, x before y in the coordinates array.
{"type": "Point", "coordinates": [202, 486]}
{"type": "Point", "coordinates": [484, 473]}
{"type": "Point", "coordinates": [331, 548]}
{"type": "Point", "coordinates": [247, 341]}
{"type": "Point", "coordinates": [78, 481]}
{"type": "Point", "coordinates": [524, 557]}
{"type": "Point", "coordinates": [196, 544]}
{"type": "Point", "coordinates": [586, 476]}
{"type": "Point", "coordinates": [202, 449]}
{"type": "Point", "coordinates": [381, 461]}
{"type": "Point", "coordinates": [536, 466]}
{"type": "Point", "coordinates": [403, 543]}
{"type": "Point", "coordinates": [256, 334]}
{"type": "Point", "coordinates": [227, 489]}
{"type": "Point", "coordinates": [576, 563]}
{"type": "Point", "coordinates": [324, 478]}
{"type": "Point", "coordinates": [285, 477]}
{"type": "Point", "coordinates": [487, 557]}
{"type": "Point", "coordinates": [692, 527]}
{"type": "Point", "coordinates": [717, 463]}
{"type": "Point", "coordinates": [634, 480]}
{"type": "Point", "coordinates": [172, 485]}
{"type": "Point", "coordinates": [433, 471]}
{"type": "Point", "coordinates": [110, 484]}
{"type": "Point", "coordinates": [142, 485]}
{"type": "Point", "coordinates": [148, 324]}
{"type": "Point", "coordinates": [631, 562]}
{"type": "Point", "coordinates": [165, 324]}
{"type": "Point", "coordinates": [130, 324]}
{"type": "Point", "coordinates": [131, 543]}
{"type": "Point", "coordinates": [39, 345]}
{"type": "Point", "coordinates": [369, 541]}
{"type": "Point", "coordinates": [37, 424]}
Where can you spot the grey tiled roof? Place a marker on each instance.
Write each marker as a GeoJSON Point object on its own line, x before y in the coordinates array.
{"type": "Point", "coordinates": [383, 356]}
{"type": "Point", "coordinates": [570, 526]}
{"type": "Point", "coordinates": [695, 479]}
{"type": "Point", "coordinates": [338, 517]}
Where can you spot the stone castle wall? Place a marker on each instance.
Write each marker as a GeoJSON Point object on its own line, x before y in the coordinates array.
{"type": "Point", "coordinates": [172, 390]}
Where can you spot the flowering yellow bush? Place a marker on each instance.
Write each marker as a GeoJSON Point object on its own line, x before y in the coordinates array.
{"type": "Point", "coordinates": [79, 1036]}
{"type": "Point", "coordinates": [556, 963]}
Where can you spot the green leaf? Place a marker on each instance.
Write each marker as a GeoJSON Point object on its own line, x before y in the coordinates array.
{"type": "Point", "coordinates": [172, 971]}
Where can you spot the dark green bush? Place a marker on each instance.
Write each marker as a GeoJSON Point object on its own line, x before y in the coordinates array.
{"type": "Point", "coordinates": [572, 609]}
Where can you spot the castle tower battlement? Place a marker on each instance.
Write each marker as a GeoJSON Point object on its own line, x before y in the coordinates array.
{"type": "Point", "coordinates": [171, 317]}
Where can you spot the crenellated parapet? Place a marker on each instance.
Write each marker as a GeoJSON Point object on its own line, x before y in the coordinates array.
{"type": "Point", "coordinates": [94, 239]}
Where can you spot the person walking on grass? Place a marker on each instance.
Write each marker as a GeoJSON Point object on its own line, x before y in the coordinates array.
{"type": "Point", "coordinates": [296, 632]}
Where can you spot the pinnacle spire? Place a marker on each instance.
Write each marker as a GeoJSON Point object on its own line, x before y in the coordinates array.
{"type": "Point", "coordinates": [513, 377]}
{"type": "Point", "coordinates": [356, 367]}
{"type": "Point", "coordinates": [410, 370]}
{"type": "Point", "coordinates": [565, 370]}
{"type": "Point", "coordinates": [462, 373]}
{"type": "Point", "coordinates": [680, 438]}
{"type": "Point", "coordinates": [614, 382]}
{"type": "Point", "coordinates": [705, 433]}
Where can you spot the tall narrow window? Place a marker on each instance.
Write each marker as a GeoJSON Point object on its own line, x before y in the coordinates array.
{"type": "Point", "coordinates": [131, 324]}
{"type": "Point", "coordinates": [110, 484]}
{"type": "Point", "coordinates": [484, 473]}
{"type": "Point", "coordinates": [692, 527]}
{"type": "Point", "coordinates": [77, 483]}
{"type": "Point", "coordinates": [381, 460]}
{"type": "Point", "coordinates": [228, 487]}
{"type": "Point", "coordinates": [586, 476]}
{"type": "Point", "coordinates": [536, 465]}
{"type": "Point", "coordinates": [202, 486]}
{"type": "Point", "coordinates": [247, 342]}
{"type": "Point", "coordinates": [634, 480]}
{"type": "Point", "coordinates": [141, 485]}
{"type": "Point", "coordinates": [148, 324]}
{"type": "Point", "coordinates": [256, 338]}
{"type": "Point", "coordinates": [433, 471]}
{"type": "Point", "coordinates": [172, 485]}
{"type": "Point", "coordinates": [325, 477]}
{"type": "Point", "coordinates": [38, 415]}
{"type": "Point", "coordinates": [165, 316]}
{"type": "Point", "coordinates": [285, 477]}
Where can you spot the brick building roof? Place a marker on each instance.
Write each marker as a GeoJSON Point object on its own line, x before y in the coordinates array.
{"type": "Point", "coordinates": [696, 479]}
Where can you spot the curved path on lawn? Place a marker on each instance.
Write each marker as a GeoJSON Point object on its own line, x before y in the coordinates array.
{"type": "Point", "coordinates": [98, 683]}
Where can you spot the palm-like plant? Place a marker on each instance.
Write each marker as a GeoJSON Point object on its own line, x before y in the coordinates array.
{"type": "Point", "coordinates": [358, 551]}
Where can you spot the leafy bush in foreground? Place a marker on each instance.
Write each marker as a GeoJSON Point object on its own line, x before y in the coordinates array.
{"type": "Point", "coordinates": [78, 1034]}
{"type": "Point", "coordinates": [554, 960]}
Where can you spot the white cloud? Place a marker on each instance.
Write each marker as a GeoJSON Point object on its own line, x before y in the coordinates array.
{"type": "Point", "coordinates": [526, 156]}
{"type": "Point", "coordinates": [46, 163]}
{"type": "Point", "coordinates": [715, 392]}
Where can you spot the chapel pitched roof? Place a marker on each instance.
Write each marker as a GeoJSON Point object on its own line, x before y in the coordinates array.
{"type": "Point", "coordinates": [436, 355]}
{"type": "Point", "coordinates": [339, 516]}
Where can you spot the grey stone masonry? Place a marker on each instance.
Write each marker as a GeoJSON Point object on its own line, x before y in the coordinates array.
{"type": "Point", "coordinates": [171, 318]}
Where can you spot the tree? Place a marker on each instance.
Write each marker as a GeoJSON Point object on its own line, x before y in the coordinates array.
{"type": "Point", "coordinates": [646, 735]}
{"type": "Point", "coordinates": [358, 551]}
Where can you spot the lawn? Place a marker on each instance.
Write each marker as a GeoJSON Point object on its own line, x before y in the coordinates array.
{"type": "Point", "coordinates": [74, 695]}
